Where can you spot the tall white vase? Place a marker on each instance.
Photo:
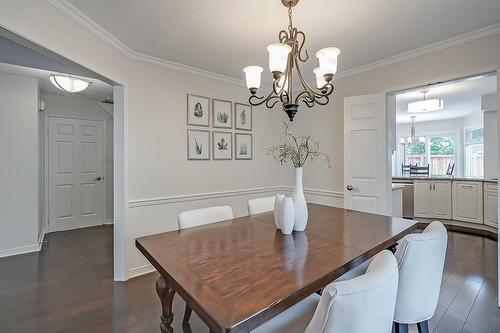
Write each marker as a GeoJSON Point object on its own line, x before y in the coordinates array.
{"type": "Point", "coordinates": [299, 202]}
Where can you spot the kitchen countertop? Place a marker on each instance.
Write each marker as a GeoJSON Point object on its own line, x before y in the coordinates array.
{"type": "Point", "coordinates": [444, 178]}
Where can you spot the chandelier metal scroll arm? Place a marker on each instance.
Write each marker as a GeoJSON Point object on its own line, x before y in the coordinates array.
{"type": "Point", "coordinates": [301, 45]}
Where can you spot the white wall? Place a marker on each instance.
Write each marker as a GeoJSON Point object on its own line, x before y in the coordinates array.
{"type": "Point", "coordinates": [19, 151]}
{"type": "Point", "coordinates": [155, 113]}
{"type": "Point", "coordinates": [477, 56]}
{"type": "Point", "coordinates": [77, 107]}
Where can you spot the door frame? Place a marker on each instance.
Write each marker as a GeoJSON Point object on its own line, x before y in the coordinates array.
{"type": "Point", "coordinates": [449, 77]}
{"type": "Point", "coordinates": [46, 144]}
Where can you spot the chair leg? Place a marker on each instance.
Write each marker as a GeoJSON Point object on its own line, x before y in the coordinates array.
{"type": "Point", "coordinates": [423, 327]}
{"type": "Point", "coordinates": [400, 328]}
{"type": "Point", "coordinates": [187, 315]}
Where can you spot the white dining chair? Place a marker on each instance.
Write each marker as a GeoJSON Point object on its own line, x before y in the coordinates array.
{"type": "Point", "coordinates": [197, 217]}
{"type": "Point", "coordinates": [260, 205]}
{"type": "Point", "coordinates": [363, 304]}
{"type": "Point", "coordinates": [421, 262]}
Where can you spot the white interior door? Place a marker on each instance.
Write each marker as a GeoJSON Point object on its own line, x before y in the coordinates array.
{"type": "Point", "coordinates": [76, 187]}
{"type": "Point", "coordinates": [366, 168]}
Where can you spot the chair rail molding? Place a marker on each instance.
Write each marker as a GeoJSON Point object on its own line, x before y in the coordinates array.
{"type": "Point", "coordinates": [78, 16]}
{"type": "Point", "coordinates": [213, 195]}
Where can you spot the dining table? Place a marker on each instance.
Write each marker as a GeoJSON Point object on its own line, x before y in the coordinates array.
{"type": "Point", "coordinates": [237, 274]}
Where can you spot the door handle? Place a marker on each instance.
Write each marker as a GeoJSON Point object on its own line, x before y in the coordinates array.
{"type": "Point", "coordinates": [99, 179]}
{"type": "Point", "coordinates": [349, 187]}
{"type": "Point", "coordinates": [434, 186]}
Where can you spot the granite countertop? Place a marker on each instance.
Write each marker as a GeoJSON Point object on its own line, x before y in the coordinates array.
{"type": "Point", "coordinates": [445, 178]}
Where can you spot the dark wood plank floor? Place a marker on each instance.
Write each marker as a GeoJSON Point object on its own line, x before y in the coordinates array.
{"type": "Point", "coordinates": [68, 287]}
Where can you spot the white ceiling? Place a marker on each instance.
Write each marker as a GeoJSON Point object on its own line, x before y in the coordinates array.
{"type": "Point", "coordinates": [97, 90]}
{"type": "Point", "coordinates": [223, 36]}
{"type": "Point", "coordinates": [460, 99]}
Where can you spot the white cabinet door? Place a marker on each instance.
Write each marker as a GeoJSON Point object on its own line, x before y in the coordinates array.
{"type": "Point", "coordinates": [441, 199]}
{"type": "Point", "coordinates": [76, 189]}
{"type": "Point", "coordinates": [490, 204]}
{"type": "Point", "coordinates": [422, 194]}
{"type": "Point", "coordinates": [468, 201]}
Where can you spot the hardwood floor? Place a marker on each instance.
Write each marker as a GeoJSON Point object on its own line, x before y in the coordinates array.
{"type": "Point", "coordinates": [68, 287]}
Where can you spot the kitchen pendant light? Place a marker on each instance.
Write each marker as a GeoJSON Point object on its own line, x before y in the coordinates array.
{"type": "Point", "coordinates": [68, 83]}
{"type": "Point", "coordinates": [425, 105]}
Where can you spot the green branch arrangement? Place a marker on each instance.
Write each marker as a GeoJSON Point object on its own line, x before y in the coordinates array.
{"type": "Point", "coordinates": [297, 150]}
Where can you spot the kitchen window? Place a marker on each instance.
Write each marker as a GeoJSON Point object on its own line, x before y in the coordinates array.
{"type": "Point", "coordinates": [474, 153]}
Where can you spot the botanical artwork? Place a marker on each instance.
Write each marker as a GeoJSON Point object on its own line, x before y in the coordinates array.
{"type": "Point", "coordinates": [222, 146]}
{"type": "Point", "coordinates": [243, 117]}
{"type": "Point", "coordinates": [198, 145]}
{"type": "Point", "coordinates": [243, 146]}
{"type": "Point", "coordinates": [197, 110]}
{"type": "Point", "coordinates": [222, 113]}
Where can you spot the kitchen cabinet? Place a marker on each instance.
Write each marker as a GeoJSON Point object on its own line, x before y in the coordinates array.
{"type": "Point", "coordinates": [468, 201]}
{"type": "Point", "coordinates": [491, 204]}
{"type": "Point", "coordinates": [432, 199]}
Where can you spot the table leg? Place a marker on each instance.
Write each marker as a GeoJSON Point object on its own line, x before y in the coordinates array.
{"type": "Point", "coordinates": [187, 315]}
{"type": "Point", "coordinates": [166, 294]}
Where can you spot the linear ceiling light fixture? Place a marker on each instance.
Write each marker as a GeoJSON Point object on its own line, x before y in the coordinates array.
{"type": "Point", "coordinates": [68, 83]}
{"type": "Point", "coordinates": [283, 58]}
{"type": "Point", "coordinates": [425, 105]}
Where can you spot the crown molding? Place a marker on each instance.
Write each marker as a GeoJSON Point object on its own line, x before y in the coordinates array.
{"type": "Point", "coordinates": [78, 16]}
{"type": "Point", "coordinates": [427, 49]}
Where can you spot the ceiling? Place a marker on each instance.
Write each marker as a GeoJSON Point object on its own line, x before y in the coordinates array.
{"type": "Point", "coordinates": [97, 90]}
{"type": "Point", "coordinates": [223, 36]}
{"type": "Point", "coordinates": [460, 98]}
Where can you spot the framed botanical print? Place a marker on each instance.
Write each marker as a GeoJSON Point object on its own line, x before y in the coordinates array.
{"type": "Point", "coordinates": [243, 146]}
{"type": "Point", "coordinates": [198, 110]}
{"type": "Point", "coordinates": [243, 116]}
{"type": "Point", "coordinates": [222, 145]}
{"type": "Point", "coordinates": [222, 113]}
{"type": "Point", "coordinates": [198, 145]}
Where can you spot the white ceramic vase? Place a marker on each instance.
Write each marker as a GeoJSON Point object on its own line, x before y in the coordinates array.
{"type": "Point", "coordinates": [277, 209]}
{"type": "Point", "coordinates": [299, 202]}
{"type": "Point", "coordinates": [287, 213]}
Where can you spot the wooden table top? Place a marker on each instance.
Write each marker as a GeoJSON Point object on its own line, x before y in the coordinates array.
{"type": "Point", "coordinates": [242, 272]}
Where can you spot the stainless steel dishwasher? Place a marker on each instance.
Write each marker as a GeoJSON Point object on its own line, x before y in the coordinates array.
{"type": "Point", "coordinates": [408, 211]}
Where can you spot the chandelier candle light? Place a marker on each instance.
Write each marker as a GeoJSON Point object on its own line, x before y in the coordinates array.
{"type": "Point", "coordinates": [283, 58]}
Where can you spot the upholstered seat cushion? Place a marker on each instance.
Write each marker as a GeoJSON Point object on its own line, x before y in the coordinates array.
{"type": "Point", "coordinates": [293, 320]}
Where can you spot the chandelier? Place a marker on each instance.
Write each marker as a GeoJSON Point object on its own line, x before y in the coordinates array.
{"type": "Point", "coordinates": [283, 58]}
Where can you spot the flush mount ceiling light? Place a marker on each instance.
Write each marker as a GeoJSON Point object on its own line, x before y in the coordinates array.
{"type": "Point", "coordinates": [68, 83]}
{"type": "Point", "coordinates": [425, 105]}
{"type": "Point", "coordinates": [285, 56]}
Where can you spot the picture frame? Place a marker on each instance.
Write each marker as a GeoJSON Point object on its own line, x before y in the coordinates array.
{"type": "Point", "coordinates": [222, 113]}
{"type": "Point", "coordinates": [243, 116]}
{"type": "Point", "coordinates": [243, 147]}
{"type": "Point", "coordinates": [198, 144]}
{"type": "Point", "coordinates": [198, 110]}
{"type": "Point", "coordinates": [222, 145]}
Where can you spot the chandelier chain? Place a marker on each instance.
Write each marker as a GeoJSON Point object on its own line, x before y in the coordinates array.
{"type": "Point", "coordinates": [290, 17]}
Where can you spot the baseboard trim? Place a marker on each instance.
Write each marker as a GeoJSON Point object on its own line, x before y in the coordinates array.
{"type": "Point", "coordinates": [140, 270]}
{"type": "Point", "coordinates": [223, 194]}
{"type": "Point", "coordinates": [108, 222]}
{"type": "Point", "coordinates": [20, 250]}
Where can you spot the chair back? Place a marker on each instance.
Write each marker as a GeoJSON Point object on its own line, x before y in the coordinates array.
{"type": "Point", "coordinates": [405, 168]}
{"type": "Point", "coordinates": [260, 205]}
{"type": "Point", "coordinates": [419, 171]}
{"type": "Point", "coordinates": [363, 304]}
{"type": "Point", "coordinates": [196, 217]}
{"type": "Point", "coordinates": [450, 169]}
{"type": "Point", "coordinates": [421, 262]}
